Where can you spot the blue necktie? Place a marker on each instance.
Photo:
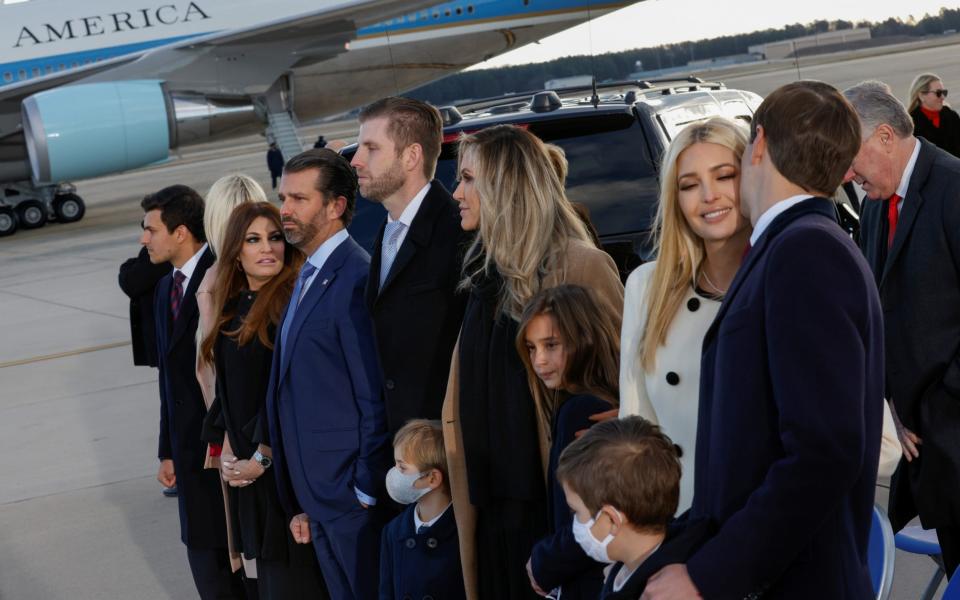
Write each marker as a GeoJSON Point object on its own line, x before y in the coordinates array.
{"type": "Point", "coordinates": [391, 235]}
{"type": "Point", "coordinates": [305, 272]}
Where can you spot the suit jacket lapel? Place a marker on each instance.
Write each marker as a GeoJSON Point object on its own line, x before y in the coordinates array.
{"type": "Point", "coordinates": [911, 206]}
{"type": "Point", "coordinates": [321, 283]}
{"type": "Point", "coordinates": [419, 236]}
{"type": "Point", "coordinates": [809, 206]}
{"type": "Point", "coordinates": [373, 281]}
{"type": "Point", "coordinates": [188, 305]}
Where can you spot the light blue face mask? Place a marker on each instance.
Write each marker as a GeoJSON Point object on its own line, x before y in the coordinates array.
{"type": "Point", "coordinates": [400, 486]}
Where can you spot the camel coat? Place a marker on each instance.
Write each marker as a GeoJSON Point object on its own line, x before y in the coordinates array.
{"type": "Point", "coordinates": [587, 266]}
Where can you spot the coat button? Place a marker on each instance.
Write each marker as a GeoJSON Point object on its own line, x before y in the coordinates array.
{"type": "Point", "coordinates": [431, 543]}
{"type": "Point", "coordinates": [693, 304]}
{"type": "Point", "coordinates": [389, 384]}
{"type": "Point", "coordinates": [411, 543]}
{"type": "Point", "coordinates": [673, 378]}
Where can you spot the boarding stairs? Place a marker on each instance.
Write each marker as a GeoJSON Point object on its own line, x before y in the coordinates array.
{"type": "Point", "coordinates": [283, 130]}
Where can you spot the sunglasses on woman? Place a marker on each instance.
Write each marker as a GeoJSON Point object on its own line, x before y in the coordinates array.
{"type": "Point", "coordinates": [939, 93]}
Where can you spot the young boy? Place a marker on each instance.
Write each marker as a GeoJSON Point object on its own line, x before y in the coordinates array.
{"type": "Point", "coordinates": [622, 481]}
{"type": "Point", "coordinates": [420, 551]}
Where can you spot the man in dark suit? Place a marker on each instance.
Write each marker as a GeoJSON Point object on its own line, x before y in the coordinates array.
{"type": "Point", "coordinates": [910, 235]}
{"type": "Point", "coordinates": [324, 406]}
{"type": "Point", "coordinates": [415, 268]}
{"type": "Point", "coordinates": [173, 232]}
{"type": "Point", "coordinates": [788, 437]}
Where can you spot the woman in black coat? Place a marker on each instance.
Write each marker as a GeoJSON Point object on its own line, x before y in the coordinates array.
{"type": "Point", "coordinates": [252, 288]}
{"type": "Point", "coordinates": [933, 120]}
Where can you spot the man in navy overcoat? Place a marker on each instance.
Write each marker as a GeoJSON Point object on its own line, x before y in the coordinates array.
{"type": "Point", "coordinates": [324, 406]}
{"type": "Point", "coordinates": [788, 437]}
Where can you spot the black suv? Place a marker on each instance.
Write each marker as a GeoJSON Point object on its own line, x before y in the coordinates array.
{"type": "Point", "coordinates": [613, 136]}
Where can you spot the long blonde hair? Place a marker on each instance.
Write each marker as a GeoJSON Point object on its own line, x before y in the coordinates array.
{"type": "Point", "coordinates": [526, 221]}
{"type": "Point", "coordinates": [680, 251]}
{"type": "Point", "coordinates": [920, 83]}
{"type": "Point", "coordinates": [227, 193]}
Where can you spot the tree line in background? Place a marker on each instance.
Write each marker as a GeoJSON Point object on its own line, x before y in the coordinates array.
{"type": "Point", "coordinates": [618, 65]}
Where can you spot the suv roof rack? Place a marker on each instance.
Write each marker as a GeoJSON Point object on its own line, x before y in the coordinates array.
{"type": "Point", "coordinates": [693, 83]}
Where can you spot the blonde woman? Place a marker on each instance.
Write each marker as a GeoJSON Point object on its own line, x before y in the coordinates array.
{"type": "Point", "coordinates": [701, 238]}
{"type": "Point", "coordinates": [496, 430]}
{"type": "Point", "coordinates": [933, 120]}
{"type": "Point", "coordinates": [224, 195]}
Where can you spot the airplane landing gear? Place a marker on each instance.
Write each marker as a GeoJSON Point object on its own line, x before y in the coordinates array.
{"type": "Point", "coordinates": [24, 206]}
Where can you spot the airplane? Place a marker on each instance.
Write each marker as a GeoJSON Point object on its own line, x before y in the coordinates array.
{"type": "Point", "coordinates": [104, 86]}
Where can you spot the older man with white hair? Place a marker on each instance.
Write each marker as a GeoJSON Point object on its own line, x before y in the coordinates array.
{"type": "Point", "coordinates": [910, 234]}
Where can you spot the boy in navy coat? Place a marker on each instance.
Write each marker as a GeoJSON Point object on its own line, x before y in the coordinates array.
{"type": "Point", "coordinates": [420, 552]}
{"type": "Point", "coordinates": [622, 483]}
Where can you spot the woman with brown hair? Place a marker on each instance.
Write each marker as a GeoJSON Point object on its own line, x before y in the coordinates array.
{"type": "Point", "coordinates": [570, 347]}
{"type": "Point", "coordinates": [252, 288]}
{"type": "Point", "coordinates": [496, 429]}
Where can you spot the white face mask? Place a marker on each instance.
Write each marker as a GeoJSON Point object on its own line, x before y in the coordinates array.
{"type": "Point", "coordinates": [400, 486]}
{"type": "Point", "coordinates": [594, 548]}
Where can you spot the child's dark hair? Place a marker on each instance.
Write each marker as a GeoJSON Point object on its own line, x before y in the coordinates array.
{"type": "Point", "coordinates": [591, 336]}
{"type": "Point", "coordinates": [628, 464]}
{"type": "Point", "coordinates": [422, 441]}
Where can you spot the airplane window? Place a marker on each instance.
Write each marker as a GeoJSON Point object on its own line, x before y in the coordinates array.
{"type": "Point", "coordinates": [459, 11]}
{"type": "Point", "coordinates": [74, 65]}
{"type": "Point", "coordinates": [470, 8]}
{"type": "Point", "coordinates": [447, 12]}
{"type": "Point", "coordinates": [36, 71]}
{"type": "Point", "coordinates": [8, 76]}
{"type": "Point", "coordinates": [49, 69]}
{"type": "Point", "coordinates": [23, 74]}
{"type": "Point", "coordinates": [436, 15]}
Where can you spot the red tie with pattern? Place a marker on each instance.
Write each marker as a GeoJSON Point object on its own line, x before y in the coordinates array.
{"type": "Point", "coordinates": [176, 293]}
{"type": "Point", "coordinates": [893, 214]}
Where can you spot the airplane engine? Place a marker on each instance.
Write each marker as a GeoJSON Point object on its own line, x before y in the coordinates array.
{"type": "Point", "coordinates": [88, 130]}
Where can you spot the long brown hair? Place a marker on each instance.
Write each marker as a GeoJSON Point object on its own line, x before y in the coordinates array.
{"type": "Point", "coordinates": [590, 330]}
{"type": "Point", "coordinates": [272, 298]}
{"type": "Point", "coordinates": [526, 220]}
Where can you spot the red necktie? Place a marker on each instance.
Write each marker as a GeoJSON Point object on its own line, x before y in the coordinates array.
{"type": "Point", "coordinates": [893, 214]}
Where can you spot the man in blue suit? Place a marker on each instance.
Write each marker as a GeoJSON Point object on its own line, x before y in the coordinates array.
{"type": "Point", "coordinates": [324, 407]}
{"type": "Point", "coordinates": [788, 437]}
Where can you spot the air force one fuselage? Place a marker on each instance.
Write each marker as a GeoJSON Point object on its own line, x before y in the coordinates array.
{"type": "Point", "coordinates": [92, 88]}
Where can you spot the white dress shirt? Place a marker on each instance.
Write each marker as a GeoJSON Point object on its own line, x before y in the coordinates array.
{"type": "Point", "coordinates": [408, 214]}
{"type": "Point", "coordinates": [907, 174]}
{"type": "Point", "coordinates": [772, 213]}
{"type": "Point", "coordinates": [320, 256]}
{"type": "Point", "coordinates": [190, 266]}
{"type": "Point", "coordinates": [417, 523]}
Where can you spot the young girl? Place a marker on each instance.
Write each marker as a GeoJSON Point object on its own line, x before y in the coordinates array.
{"type": "Point", "coordinates": [568, 341]}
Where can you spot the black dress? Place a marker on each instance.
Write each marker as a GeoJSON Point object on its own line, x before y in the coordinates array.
{"type": "Point", "coordinates": [501, 446]}
{"type": "Point", "coordinates": [946, 137]}
{"type": "Point", "coordinates": [285, 569]}
{"type": "Point", "coordinates": [558, 561]}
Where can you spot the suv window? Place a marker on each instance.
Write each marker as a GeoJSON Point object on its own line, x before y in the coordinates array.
{"type": "Point", "coordinates": [611, 173]}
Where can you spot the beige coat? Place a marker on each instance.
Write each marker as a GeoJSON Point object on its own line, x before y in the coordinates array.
{"type": "Point", "coordinates": [586, 266]}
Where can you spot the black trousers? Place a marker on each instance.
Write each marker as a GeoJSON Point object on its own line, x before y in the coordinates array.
{"type": "Point", "coordinates": [949, 547]}
{"type": "Point", "coordinates": [506, 533]}
{"type": "Point", "coordinates": [212, 575]}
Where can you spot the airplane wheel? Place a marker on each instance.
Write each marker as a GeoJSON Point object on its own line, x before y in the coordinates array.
{"type": "Point", "coordinates": [32, 214]}
{"type": "Point", "coordinates": [8, 221]}
{"type": "Point", "coordinates": [68, 208]}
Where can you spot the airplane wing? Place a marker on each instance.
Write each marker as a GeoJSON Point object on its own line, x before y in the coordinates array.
{"type": "Point", "coordinates": [249, 60]}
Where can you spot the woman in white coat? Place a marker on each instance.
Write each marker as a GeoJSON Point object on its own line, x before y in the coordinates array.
{"type": "Point", "coordinates": [701, 238]}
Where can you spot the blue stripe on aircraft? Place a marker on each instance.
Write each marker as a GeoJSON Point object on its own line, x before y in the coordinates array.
{"type": "Point", "coordinates": [36, 67]}
{"type": "Point", "coordinates": [440, 15]}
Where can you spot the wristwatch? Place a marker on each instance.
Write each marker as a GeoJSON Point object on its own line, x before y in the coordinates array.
{"type": "Point", "coordinates": [264, 461]}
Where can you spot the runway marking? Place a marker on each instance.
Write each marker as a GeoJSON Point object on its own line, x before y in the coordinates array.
{"type": "Point", "coordinates": [27, 361]}
{"type": "Point", "coordinates": [62, 305]}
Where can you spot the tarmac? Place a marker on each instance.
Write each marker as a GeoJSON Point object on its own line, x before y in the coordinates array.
{"type": "Point", "coordinates": [81, 514]}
